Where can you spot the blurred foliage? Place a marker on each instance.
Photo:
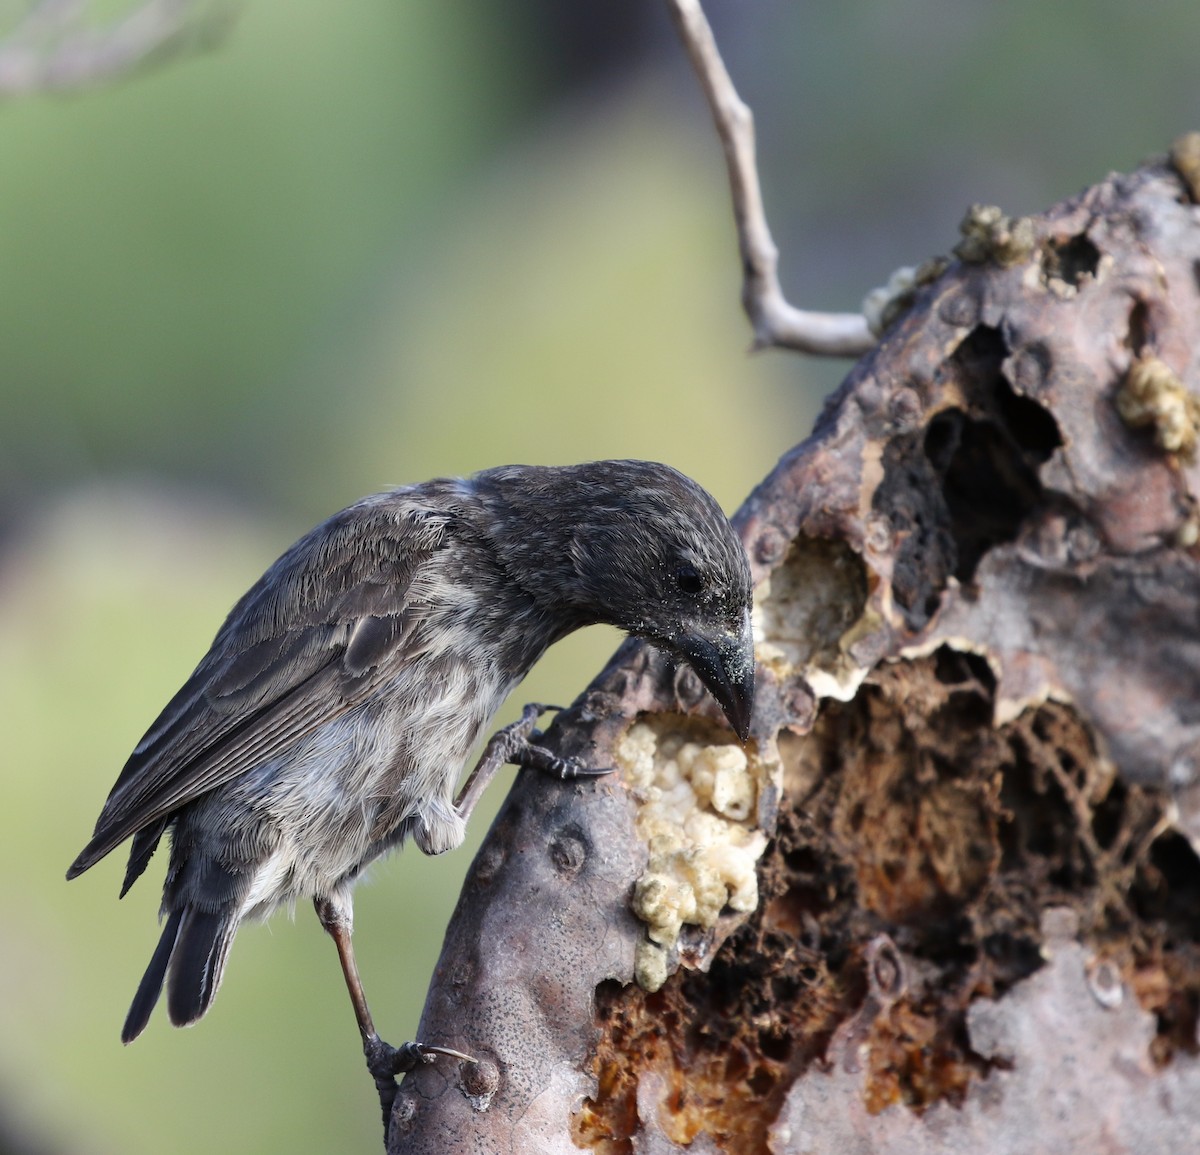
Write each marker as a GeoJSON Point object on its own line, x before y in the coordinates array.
{"type": "Point", "coordinates": [356, 245]}
{"type": "Point", "coordinates": [179, 243]}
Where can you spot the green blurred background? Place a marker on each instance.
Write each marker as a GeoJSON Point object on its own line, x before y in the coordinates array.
{"type": "Point", "coordinates": [365, 243]}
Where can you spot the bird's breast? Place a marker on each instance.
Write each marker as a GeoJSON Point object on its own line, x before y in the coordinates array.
{"type": "Point", "coordinates": [310, 819]}
{"type": "Point", "coordinates": [307, 821]}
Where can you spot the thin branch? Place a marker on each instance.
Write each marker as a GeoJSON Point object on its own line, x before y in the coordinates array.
{"type": "Point", "coordinates": [54, 49]}
{"type": "Point", "coordinates": [775, 321]}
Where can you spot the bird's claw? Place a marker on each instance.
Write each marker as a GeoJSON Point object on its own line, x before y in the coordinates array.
{"type": "Point", "coordinates": [571, 770]}
{"type": "Point", "coordinates": [429, 1054]}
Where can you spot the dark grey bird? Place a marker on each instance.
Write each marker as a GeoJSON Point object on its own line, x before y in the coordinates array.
{"type": "Point", "coordinates": [331, 717]}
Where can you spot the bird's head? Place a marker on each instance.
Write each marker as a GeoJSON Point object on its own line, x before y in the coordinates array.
{"type": "Point", "coordinates": [642, 547]}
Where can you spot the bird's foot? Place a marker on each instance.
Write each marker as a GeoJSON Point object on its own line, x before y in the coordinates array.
{"type": "Point", "coordinates": [519, 742]}
{"type": "Point", "coordinates": [385, 1062]}
{"type": "Point", "coordinates": [533, 757]}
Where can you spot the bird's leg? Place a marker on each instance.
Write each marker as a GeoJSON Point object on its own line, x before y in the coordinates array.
{"type": "Point", "coordinates": [384, 1061]}
{"type": "Point", "coordinates": [517, 743]}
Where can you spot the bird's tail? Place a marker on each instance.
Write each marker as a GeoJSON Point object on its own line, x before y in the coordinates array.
{"type": "Point", "coordinates": [193, 949]}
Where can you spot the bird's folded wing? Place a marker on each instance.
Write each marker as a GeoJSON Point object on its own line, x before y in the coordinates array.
{"type": "Point", "coordinates": [310, 641]}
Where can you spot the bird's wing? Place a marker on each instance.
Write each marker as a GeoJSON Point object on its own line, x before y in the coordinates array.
{"type": "Point", "coordinates": [312, 639]}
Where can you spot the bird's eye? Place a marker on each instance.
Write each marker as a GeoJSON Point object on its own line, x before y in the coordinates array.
{"type": "Point", "coordinates": [688, 580]}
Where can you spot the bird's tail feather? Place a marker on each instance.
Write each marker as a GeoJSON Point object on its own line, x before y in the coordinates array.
{"type": "Point", "coordinates": [198, 963]}
{"type": "Point", "coordinates": [194, 948]}
{"type": "Point", "coordinates": [152, 981]}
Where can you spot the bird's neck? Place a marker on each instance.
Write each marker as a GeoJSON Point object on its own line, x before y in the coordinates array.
{"type": "Point", "coordinates": [530, 537]}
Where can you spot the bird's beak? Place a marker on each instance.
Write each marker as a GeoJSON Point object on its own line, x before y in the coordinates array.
{"type": "Point", "coordinates": [725, 665]}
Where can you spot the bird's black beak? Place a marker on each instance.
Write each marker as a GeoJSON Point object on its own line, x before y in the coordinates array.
{"type": "Point", "coordinates": [725, 665]}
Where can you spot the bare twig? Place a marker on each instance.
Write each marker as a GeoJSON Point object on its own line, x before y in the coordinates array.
{"type": "Point", "coordinates": [775, 321]}
{"type": "Point", "coordinates": [55, 49]}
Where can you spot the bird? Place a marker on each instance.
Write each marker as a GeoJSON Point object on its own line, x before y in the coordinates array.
{"type": "Point", "coordinates": [332, 715]}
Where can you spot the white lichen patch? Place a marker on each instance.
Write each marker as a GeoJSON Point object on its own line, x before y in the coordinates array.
{"type": "Point", "coordinates": [882, 306]}
{"type": "Point", "coordinates": [650, 967]}
{"type": "Point", "coordinates": [879, 305]}
{"type": "Point", "coordinates": [989, 235]}
{"type": "Point", "coordinates": [697, 814]}
{"type": "Point", "coordinates": [1185, 160]}
{"type": "Point", "coordinates": [808, 612]}
{"type": "Point", "coordinates": [1153, 395]}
